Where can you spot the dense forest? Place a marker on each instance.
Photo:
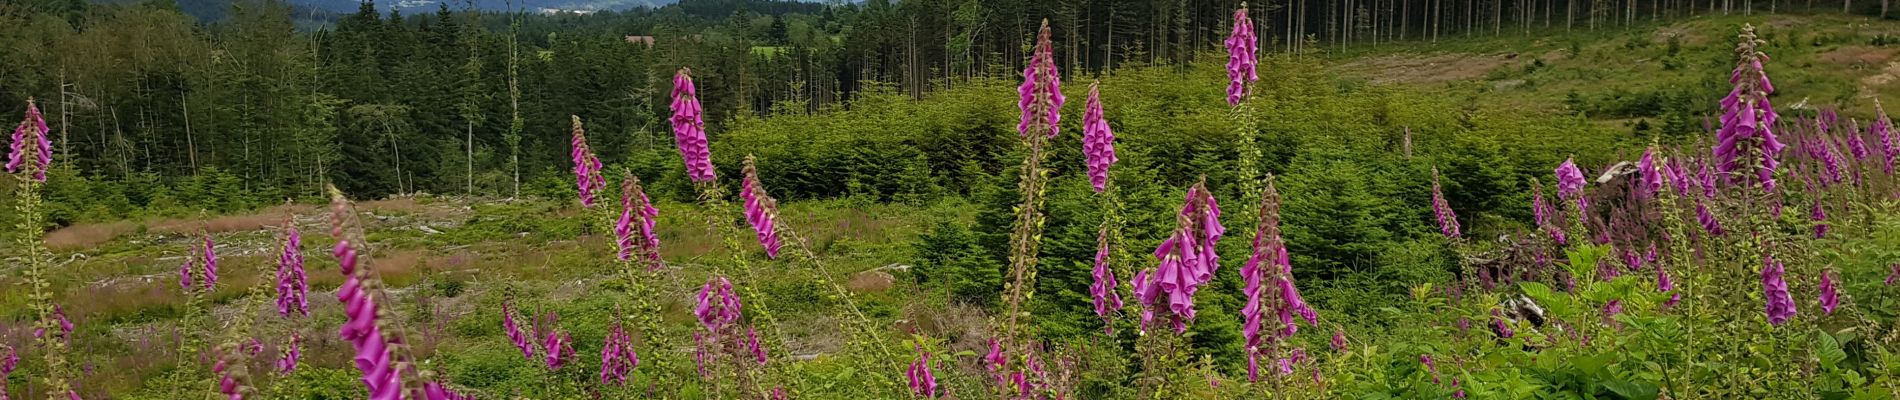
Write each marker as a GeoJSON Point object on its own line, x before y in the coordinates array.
{"type": "Point", "coordinates": [459, 101]}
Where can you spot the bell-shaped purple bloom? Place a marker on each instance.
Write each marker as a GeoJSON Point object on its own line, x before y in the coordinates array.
{"type": "Point", "coordinates": [587, 170]}
{"type": "Point", "coordinates": [1188, 258]}
{"type": "Point", "coordinates": [994, 361]}
{"type": "Point", "coordinates": [923, 383]}
{"type": "Point", "coordinates": [752, 345]}
{"type": "Point", "coordinates": [436, 391]}
{"type": "Point", "coordinates": [1447, 219]}
{"type": "Point", "coordinates": [1242, 58]}
{"type": "Point", "coordinates": [1652, 176]}
{"type": "Point", "coordinates": [1747, 138]}
{"type": "Point", "coordinates": [293, 351]}
{"type": "Point", "coordinates": [761, 210]}
{"type": "Point", "coordinates": [293, 287]}
{"type": "Point", "coordinates": [1570, 183]}
{"type": "Point", "coordinates": [1098, 142]}
{"type": "Point", "coordinates": [1104, 288]}
{"type": "Point", "coordinates": [1339, 341]}
{"type": "Point", "coordinates": [557, 348]}
{"type": "Point", "coordinates": [1041, 92]}
{"type": "Point", "coordinates": [633, 232]}
{"type": "Point", "coordinates": [1819, 216]}
{"type": "Point", "coordinates": [689, 129]}
{"type": "Point", "coordinates": [1893, 273]}
{"type": "Point", "coordinates": [1830, 292]}
{"type": "Point", "coordinates": [718, 304]}
{"type": "Point", "coordinates": [209, 260]}
{"type": "Point", "coordinates": [1430, 366]}
{"type": "Point", "coordinates": [184, 271]}
{"type": "Point", "coordinates": [617, 358]}
{"type": "Point", "coordinates": [31, 132]}
{"type": "Point", "coordinates": [1780, 305]}
{"type": "Point", "coordinates": [1679, 177]}
{"type": "Point", "coordinates": [360, 328]}
{"type": "Point", "coordinates": [516, 335]}
{"type": "Point", "coordinates": [1707, 219]}
{"type": "Point", "coordinates": [1882, 128]}
{"type": "Point", "coordinates": [1499, 325]}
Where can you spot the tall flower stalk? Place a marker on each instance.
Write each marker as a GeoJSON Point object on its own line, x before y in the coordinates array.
{"type": "Point", "coordinates": [1243, 61]}
{"type": "Point", "coordinates": [1747, 138]}
{"type": "Point", "coordinates": [1187, 261]}
{"type": "Point", "coordinates": [293, 287]}
{"type": "Point", "coordinates": [1098, 146]}
{"type": "Point", "coordinates": [31, 133]}
{"type": "Point", "coordinates": [1040, 102]}
{"type": "Point", "coordinates": [1270, 262]}
{"type": "Point", "coordinates": [362, 327]}
{"type": "Point", "coordinates": [634, 236]}
{"type": "Point", "coordinates": [1447, 219]}
{"type": "Point", "coordinates": [587, 168]}
{"type": "Point", "coordinates": [689, 128]}
{"type": "Point", "coordinates": [761, 210]}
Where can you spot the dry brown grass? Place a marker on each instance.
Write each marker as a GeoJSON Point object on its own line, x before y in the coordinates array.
{"type": "Point", "coordinates": [88, 235]}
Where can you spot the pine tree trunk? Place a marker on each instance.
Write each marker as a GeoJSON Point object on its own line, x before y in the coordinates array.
{"type": "Point", "coordinates": [471, 158]}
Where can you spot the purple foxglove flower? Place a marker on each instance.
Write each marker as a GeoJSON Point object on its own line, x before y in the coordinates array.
{"type": "Point", "coordinates": [1856, 145]}
{"type": "Point", "coordinates": [293, 351]}
{"type": "Point", "coordinates": [1706, 177]}
{"type": "Point", "coordinates": [1679, 177]}
{"type": "Point", "coordinates": [360, 327]}
{"type": "Point", "coordinates": [752, 344]}
{"type": "Point", "coordinates": [637, 213]}
{"type": "Point", "coordinates": [1780, 306]}
{"type": "Point", "coordinates": [1610, 310]}
{"type": "Point", "coordinates": [761, 210]}
{"type": "Point", "coordinates": [557, 348]}
{"type": "Point", "coordinates": [1242, 60]}
{"type": "Point", "coordinates": [1188, 259]}
{"type": "Point", "coordinates": [617, 358]}
{"type": "Point", "coordinates": [1709, 223]}
{"type": "Point", "coordinates": [1570, 180]}
{"type": "Point", "coordinates": [1460, 393]}
{"type": "Point", "coordinates": [1098, 142]}
{"type": "Point", "coordinates": [64, 325]}
{"type": "Point", "coordinates": [227, 384]}
{"type": "Point", "coordinates": [1339, 340]}
{"type": "Point", "coordinates": [1830, 161]}
{"type": "Point", "coordinates": [1503, 328]}
{"type": "Point", "coordinates": [35, 124]}
{"type": "Point", "coordinates": [1893, 273]}
{"type": "Point", "coordinates": [436, 391]}
{"type": "Point", "coordinates": [9, 362]}
{"type": "Point", "coordinates": [293, 287]}
{"type": "Point", "coordinates": [1104, 288]}
{"type": "Point", "coordinates": [1652, 176]}
{"type": "Point", "coordinates": [1447, 219]}
{"type": "Point", "coordinates": [587, 169]}
{"type": "Point", "coordinates": [184, 271]}
{"type": "Point", "coordinates": [994, 361]}
{"type": "Point", "coordinates": [1747, 138]}
{"type": "Point", "coordinates": [1830, 292]}
{"type": "Point", "coordinates": [1041, 92]}
{"type": "Point", "coordinates": [1570, 183]}
{"type": "Point", "coordinates": [922, 382]}
{"type": "Point", "coordinates": [1429, 366]}
{"type": "Point", "coordinates": [1882, 128]}
{"type": "Point", "coordinates": [1820, 219]}
{"type": "Point", "coordinates": [210, 258]}
{"type": "Point", "coordinates": [689, 129]}
{"type": "Point", "coordinates": [515, 334]}
{"type": "Point", "coordinates": [1286, 366]}
{"type": "Point", "coordinates": [1540, 209]}
{"type": "Point", "coordinates": [718, 304]}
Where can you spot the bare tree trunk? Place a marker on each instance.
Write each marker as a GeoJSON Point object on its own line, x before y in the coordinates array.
{"type": "Point", "coordinates": [471, 158]}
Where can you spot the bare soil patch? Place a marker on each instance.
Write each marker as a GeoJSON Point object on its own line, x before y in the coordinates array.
{"type": "Point", "coordinates": [1425, 68]}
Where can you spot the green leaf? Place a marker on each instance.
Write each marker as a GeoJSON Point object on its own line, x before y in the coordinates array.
{"type": "Point", "coordinates": [1632, 390]}
{"type": "Point", "coordinates": [1829, 350]}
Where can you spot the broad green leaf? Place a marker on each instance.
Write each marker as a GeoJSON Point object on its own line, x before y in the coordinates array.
{"type": "Point", "coordinates": [1829, 350]}
{"type": "Point", "coordinates": [1632, 390]}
